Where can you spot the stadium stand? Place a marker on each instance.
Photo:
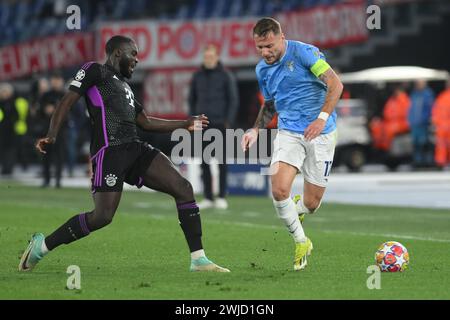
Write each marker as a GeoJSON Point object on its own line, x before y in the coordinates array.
{"type": "Point", "coordinates": [24, 20]}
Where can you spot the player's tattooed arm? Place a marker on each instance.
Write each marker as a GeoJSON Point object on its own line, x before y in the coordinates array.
{"type": "Point", "coordinates": [265, 115]}
{"type": "Point", "coordinates": [149, 123]}
{"type": "Point", "coordinates": [334, 90]}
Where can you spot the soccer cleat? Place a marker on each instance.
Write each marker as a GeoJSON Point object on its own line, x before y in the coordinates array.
{"type": "Point", "coordinates": [302, 250]}
{"type": "Point", "coordinates": [32, 254]}
{"type": "Point", "coordinates": [204, 264]}
{"type": "Point", "coordinates": [205, 204]}
{"type": "Point", "coordinates": [301, 215]}
{"type": "Point", "coordinates": [221, 203]}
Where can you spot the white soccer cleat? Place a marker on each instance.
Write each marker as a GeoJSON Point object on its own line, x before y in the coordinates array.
{"type": "Point", "coordinates": [205, 204]}
{"type": "Point", "coordinates": [221, 203]}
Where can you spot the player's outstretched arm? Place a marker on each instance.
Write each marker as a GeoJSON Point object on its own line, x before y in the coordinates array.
{"type": "Point", "coordinates": [334, 91]}
{"type": "Point", "coordinates": [265, 115]}
{"type": "Point", "coordinates": [162, 125]}
{"type": "Point", "coordinates": [57, 119]}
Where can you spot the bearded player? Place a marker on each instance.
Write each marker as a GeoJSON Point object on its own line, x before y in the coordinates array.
{"type": "Point", "coordinates": [303, 89]}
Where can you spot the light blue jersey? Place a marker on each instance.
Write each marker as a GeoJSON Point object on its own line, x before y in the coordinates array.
{"type": "Point", "coordinates": [293, 85]}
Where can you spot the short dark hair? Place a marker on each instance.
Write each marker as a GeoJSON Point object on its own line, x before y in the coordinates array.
{"type": "Point", "coordinates": [56, 74]}
{"type": "Point", "coordinates": [115, 42]}
{"type": "Point", "coordinates": [211, 46]}
{"type": "Point", "coordinates": [266, 25]}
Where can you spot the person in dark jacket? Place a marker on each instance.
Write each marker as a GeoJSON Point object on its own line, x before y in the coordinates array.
{"type": "Point", "coordinates": [55, 152]}
{"type": "Point", "coordinates": [213, 92]}
{"type": "Point", "coordinates": [8, 137]}
{"type": "Point", "coordinates": [419, 118]}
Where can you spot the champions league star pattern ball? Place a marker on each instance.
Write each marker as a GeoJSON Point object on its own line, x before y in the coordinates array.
{"type": "Point", "coordinates": [392, 256]}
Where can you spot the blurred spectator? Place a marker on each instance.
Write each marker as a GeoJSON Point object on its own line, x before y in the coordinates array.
{"type": "Point", "coordinates": [8, 117]}
{"type": "Point", "coordinates": [394, 121]}
{"type": "Point", "coordinates": [55, 152]}
{"type": "Point", "coordinates": [13, 127]}
{"type": "Point", "coordinates": [21, 131]}
{"type": "Point", "coordinates": [214, 92]}
{"type": "Point", "coordinates": [38, 88]}
{"type": "Point", "coordinates": [419, 118]}
{"type": "Point", "coordinates": [75, 122]}
{"type": "Point", "coordinates": [441, 122]}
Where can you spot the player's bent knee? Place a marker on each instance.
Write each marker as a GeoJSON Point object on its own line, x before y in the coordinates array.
{"type": "Point", "coordinates": [313, 205]}
{"type": "Point", "coordinates": [183, 191]}
{"type": "Point", "coordinates": [103, 222]}
{"type": "Point", "coordinates": [106, 220]}
{"type": "Point", "coordinates": [280, 193]}
{"type": "Point", "coordinates": [100, 219]}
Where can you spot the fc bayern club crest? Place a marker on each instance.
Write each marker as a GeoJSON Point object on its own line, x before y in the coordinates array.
{"type": "Point", "coordinates": [111, 180]}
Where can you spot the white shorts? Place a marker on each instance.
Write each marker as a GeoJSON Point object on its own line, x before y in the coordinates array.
{"type": "Point", "coordinates": [312, 158]}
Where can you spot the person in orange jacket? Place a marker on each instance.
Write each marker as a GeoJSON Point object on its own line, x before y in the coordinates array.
{"type": "Point", "coordinates": [395, 115]}
{"type": "Point", "coordinates": [394, 122]}
{"type": "Point", "coordinates": [440, 118]}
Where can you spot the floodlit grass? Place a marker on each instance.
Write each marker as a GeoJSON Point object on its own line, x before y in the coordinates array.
{"type": "Point", "coordinates": [143, 254]}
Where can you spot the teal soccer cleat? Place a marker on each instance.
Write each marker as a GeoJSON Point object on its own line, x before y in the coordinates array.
{"type": "Point", "coordinates": [204, 264]}
{"type": "Point", "coordinates": [32, 254]}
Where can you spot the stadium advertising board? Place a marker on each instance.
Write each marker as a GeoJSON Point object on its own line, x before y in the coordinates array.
{"type": "Point", "coordinates": [166, 92]}
{"type": "Point", "coordinates": [45, 54]}
{"type": "Point", "coordinates": [175, 44]}
{"type": "Point", "coordinates": [247, 180]}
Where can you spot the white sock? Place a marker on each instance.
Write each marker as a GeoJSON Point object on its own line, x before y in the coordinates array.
{"type": "Point", "coordinates": [44, 248]}
{"type": "Point", "coordinates": [197, 254]}
{"type": "Point", "coordinates": [301, 208]}
{"type": "Point", "coordinates": [287, 212]}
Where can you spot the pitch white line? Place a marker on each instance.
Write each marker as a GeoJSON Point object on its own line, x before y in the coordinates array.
{"type": "Point", "coordinates": [251, 214]}
{"type": "Point", "coordinates": [387, 235]}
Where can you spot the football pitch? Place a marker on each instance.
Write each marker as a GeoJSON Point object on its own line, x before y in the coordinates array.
{"type": "Point", "coordinates": [143, 254]}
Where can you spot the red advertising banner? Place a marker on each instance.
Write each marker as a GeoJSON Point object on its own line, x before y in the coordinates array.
{"type": "Point", "coordinates": [45, 54]}
{"type": "Point", "coordinates": [328, 26]}
{"type": "Point", "coordinates": [175, 44]}
{"type": "Point", "coordinates": [179, 44]}
{"type": "Point", "coordinates": [166, 92]}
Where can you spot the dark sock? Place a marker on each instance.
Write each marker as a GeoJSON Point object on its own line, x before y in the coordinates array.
{"type": "Point", "coordinates": [189, 217]}
{"type": "Point", "coordinates": [74, 229]}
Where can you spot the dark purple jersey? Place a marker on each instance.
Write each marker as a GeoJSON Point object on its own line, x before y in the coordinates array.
{"type": "Point", "coordinates": [110, 104]}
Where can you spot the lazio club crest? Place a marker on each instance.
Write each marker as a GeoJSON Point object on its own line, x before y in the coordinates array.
{"type": "Point", "coordinates": [290, 65]}
{"type": "Point", "coordinates": [317, 53]}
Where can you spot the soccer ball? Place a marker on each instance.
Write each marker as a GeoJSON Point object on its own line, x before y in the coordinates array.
{"type": "Point", "coordinates": [392, 256]}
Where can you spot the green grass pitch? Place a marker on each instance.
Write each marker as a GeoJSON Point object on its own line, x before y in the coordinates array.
{"type": "Point", "coordinates": [143, 254]}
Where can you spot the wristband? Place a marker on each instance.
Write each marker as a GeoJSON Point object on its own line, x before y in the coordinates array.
{"type": "Point", "coordinates": [324, 116]}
